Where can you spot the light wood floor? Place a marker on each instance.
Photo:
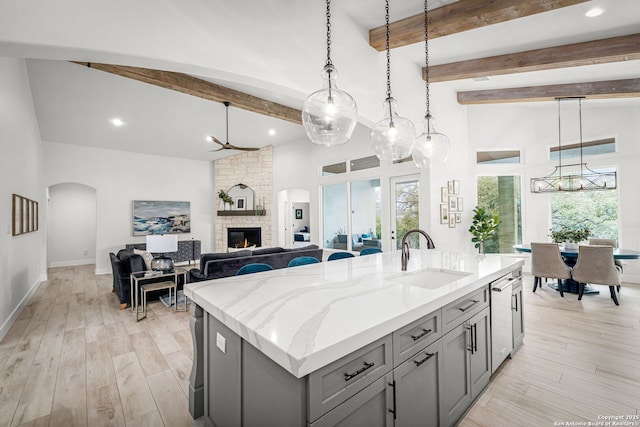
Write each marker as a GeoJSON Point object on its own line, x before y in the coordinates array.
{"type": "Point", "coordinates": [73, 359]}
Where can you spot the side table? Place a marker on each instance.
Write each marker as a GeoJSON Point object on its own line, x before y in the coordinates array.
{"type": "Point", "coordinates": [138, 284]}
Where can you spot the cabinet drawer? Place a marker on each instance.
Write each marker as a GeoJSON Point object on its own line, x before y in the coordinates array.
{"type": "Point", "coordinates": [333, 384]}
{"type": "Point", "coordinates": [412, 338]}
{"type": "Point", "coordinates": [463, 308]}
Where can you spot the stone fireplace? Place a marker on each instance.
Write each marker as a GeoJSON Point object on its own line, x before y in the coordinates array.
{"type": "Point", "coordinates": [244, 237]}
{"type": "Point", "coordinates": [253, 169]}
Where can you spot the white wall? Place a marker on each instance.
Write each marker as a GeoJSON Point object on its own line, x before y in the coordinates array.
{"type": "Point", "coordinates": [121, 177]}
{"type": "Point", "coordinates": [71, 238]}
{"type": "Point", "coordinates": [22, 258]}
{"type": "Point", "coordinates": [533, 128]}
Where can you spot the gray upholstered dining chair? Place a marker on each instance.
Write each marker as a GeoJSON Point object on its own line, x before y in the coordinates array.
{"type": "Point", "coordinates": [546, 261]}
{"type": "Point", "coordinates": [595, 266]}
{"type": "Point", "coordinates": [613, 244]}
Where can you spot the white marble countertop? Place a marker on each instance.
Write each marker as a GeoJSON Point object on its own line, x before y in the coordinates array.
{"type": "Point", "coordinates": [306, 317]}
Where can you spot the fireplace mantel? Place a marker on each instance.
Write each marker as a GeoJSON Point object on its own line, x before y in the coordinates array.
{"type": "Point", "coordinates": [242, 213]}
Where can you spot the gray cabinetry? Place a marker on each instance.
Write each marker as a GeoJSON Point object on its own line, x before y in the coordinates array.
{"type": "Point", "coordinates": [418, 388]}
{"type": "Point", "coordinates": [466, 351]}
{"type": "Point", "coordinates": [518, 316]}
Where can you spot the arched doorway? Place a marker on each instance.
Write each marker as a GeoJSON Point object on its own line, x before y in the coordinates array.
{"type": "Point", "coordinates": [71, 231]}
{"type": "Point", "coordinates": [293, 216]}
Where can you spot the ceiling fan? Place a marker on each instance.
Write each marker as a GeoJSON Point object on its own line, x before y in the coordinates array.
{"type": "Point", "coordinates": [226, 145]}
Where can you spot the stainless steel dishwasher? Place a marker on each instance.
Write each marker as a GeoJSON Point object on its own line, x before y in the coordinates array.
{"type": "Point", "coordinates": [501, 318]}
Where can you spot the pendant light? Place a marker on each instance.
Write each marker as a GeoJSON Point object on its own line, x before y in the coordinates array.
{"type": "Point", "coordinates": [430, 145]}
{"type": "Point", "coordinates": [329, 115]}
{"type": "Point", "coordinates": [392, 137]}
{"type": "Point", "coordinates": [576, 176]}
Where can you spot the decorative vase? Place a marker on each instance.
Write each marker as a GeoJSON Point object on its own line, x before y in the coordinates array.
{"type": "Point", "coordinates": [571, 246]}
{"type": "Point", "coordinates": [481, 248]}
{"type": "Point", "coordinates": [227, 206]}
{"type": "Point", "coordinates": [222, 205]}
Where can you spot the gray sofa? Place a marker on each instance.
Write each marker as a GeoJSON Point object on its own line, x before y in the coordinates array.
{"type": "Point", "coordinates": [217, 265]}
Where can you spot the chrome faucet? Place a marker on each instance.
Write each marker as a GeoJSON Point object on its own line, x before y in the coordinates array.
{"type": "Point", "coordinates": [405, 246]}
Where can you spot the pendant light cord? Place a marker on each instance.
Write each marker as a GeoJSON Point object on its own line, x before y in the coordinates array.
{"type": "Point", "coordinates": [559, 147]}
{"type": "Point", "coordinates": [386, 9]}
{"type": "Point", "coordinates": [581, 161]}
{"type": "Point", "coordinates": [328, 14]}
{"type": "Point", "coordinates": [426, 51]}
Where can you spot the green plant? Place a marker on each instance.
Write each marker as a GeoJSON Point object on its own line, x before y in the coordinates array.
{"type": "Point", "coordinates": [225, 197]}
{"type": "Point", "coordinates": [567, 234]}
{"type": "Point", "coordinates": [483, 226]}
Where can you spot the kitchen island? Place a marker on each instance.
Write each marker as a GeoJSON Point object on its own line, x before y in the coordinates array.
{"type": "Point", "coordinates": [316, 344]}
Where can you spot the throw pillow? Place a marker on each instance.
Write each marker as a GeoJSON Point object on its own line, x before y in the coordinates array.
{"type": "Point", "coordinates": [146, 256]}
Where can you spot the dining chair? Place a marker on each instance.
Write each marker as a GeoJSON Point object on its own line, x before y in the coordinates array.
{"type": "Point", "coordinates": [613, 244]}
{"type": "Point", "coordinates": [546, 261]}
{"type": "Point", "coordinates": [339, 255]}
{"type": "Point", "coordinates": [253, 268]}
{"type": "Point", "coordinates": [595, 266]}
{"type": "Point", "coordinates": [370, 251]}
{"type": "Point", "coordinates": [302, 260]}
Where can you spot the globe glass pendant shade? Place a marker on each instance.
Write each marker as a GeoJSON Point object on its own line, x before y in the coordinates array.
{"type": "Point", "coordinates": [329, 115]}
{"type": "Point", "coordinates": [392, 138]}
{"type": "Point", "coordinates": [430, 146]}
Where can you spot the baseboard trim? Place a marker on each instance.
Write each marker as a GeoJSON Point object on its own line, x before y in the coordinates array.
{"type": "Point", "coordinates": [72, 263]}
{"type": "Point", "coordinates": [23, 303]}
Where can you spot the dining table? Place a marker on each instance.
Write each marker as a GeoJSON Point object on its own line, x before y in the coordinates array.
{"type": "Point", "coordinates": [570, 256]}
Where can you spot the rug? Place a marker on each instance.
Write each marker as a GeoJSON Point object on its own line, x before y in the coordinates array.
{"type": "Point", "coordinates": [165, 299]}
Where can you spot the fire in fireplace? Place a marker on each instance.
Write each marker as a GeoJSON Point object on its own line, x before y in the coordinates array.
{"type": "Point", "coordinates": [244, 237]}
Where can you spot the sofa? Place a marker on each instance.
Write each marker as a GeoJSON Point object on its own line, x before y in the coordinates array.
{"type": "Point", "coordinates": [217, 265]}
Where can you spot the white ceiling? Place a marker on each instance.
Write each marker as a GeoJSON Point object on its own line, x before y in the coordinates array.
{"type": "Point", "coordinates": [273, 50]}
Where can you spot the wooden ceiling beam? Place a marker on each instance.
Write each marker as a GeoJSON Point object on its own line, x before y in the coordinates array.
{"type": "Point", "coordinates": [203, 89]}
{"type": "Point", "coordinates": [615, 49]}
{"type": "Point", "coordinates": [591, 90]}
{"type": "Point", "coordinates": [460, 16]}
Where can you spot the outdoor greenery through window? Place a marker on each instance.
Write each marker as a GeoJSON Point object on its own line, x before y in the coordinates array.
{"type": "Point", "coordinates": [501, 195]}
{"type": "Point", "coordinates": [595, 210]}
{"type": "Point", "coordinates": [407, 212]}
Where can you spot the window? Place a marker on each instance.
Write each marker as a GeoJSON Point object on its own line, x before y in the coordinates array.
{"type": "Point", "coordinates": [334, 169]}
{"type": "Point", "coordinates": [497, 156]}
{"type": "Point", "coordinates": [595, 210]}
{"type": "Point", "coordinates": [365, 163]}
{"type": "Point", "coordinates": [590, 148]}
{"type": "Point", "coordinates": [501, 195]}
{"type": "Point", "coordinates": [334, 206]}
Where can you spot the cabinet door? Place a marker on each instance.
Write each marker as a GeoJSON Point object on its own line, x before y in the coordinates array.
{"type": "Point", "coordinates": [456, 387]}
{"type": "Point", "coordinates": [518, 317]}
{"type": "Point", "coordinates": [480, 359]}
{"type": "Point", "coordinates": [418, 388]}
{"type": "Point", "coordinates": [369, 407]}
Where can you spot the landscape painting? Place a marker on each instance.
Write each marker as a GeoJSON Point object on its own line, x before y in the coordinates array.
{"type": "Point", "coordinates": [161, 217]}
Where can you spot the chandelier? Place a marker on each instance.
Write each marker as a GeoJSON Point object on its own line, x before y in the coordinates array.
{"type": "Point", "coordinates": [575, 176]}
{"type": "Point", "coordinates": [430, 145]}
{"type": "Point", "coordinates": [329, 115]}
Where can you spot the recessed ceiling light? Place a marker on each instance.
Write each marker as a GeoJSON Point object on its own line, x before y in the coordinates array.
{"type": "Point", "coordinates": [595, 11]}
{"type": "Point", "coordinates": [272, 132]}
{"type": "Point", "coordinates": [117, 122]}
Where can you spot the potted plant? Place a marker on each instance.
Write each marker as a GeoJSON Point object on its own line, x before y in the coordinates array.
{"type": "Point", "coordinates": [483, 226]}
{"type": "Point", "coordinates": [570, 236]}
{"type": "Point", "coordinates": [225, 199]}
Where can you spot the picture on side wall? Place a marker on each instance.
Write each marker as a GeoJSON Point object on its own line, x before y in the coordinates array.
{"type": "Point", "coordinates": [241, 203]}
{"type": "Point", "coordinates": [444, 213]}
{"type": "Point", "coordinates": [161, 217]}
{"type": "Point", "coordinates": [298, 213]}
{"type": "Point", "coordinates": [444, 196]}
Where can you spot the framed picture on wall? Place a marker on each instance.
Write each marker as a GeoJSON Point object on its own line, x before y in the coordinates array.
{"type": "Point", "coordinates": [458, 217]}
{"type": "Point", "coordinates": [453, 203]}
{"type": "Point", "coordinates": [456, 187]}
{"type": "Point", "coordinates": [459, 204]}
{"type": "Point", "coordinates": [298, 213]}
{"type": "Point", "coordinates": [444, 195]}
{"type": "Point", "coordinates": [450, 187]}
{"type": "Point", "coordinates": [444, 213]}
{"type": "Point", "coordinates": [452, 219]}
{"type": "Point", "coordinates": [161, 217]}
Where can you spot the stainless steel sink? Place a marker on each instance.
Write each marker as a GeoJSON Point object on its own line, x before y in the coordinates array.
{"type": "Point", "coordinates": [429, 278]}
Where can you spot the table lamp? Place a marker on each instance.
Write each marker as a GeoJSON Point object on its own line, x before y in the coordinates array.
{"type": "Point", "coordinates": [162, 244]}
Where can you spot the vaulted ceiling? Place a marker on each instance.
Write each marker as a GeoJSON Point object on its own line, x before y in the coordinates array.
{"type": "Point", "coordinates": [267, 56]}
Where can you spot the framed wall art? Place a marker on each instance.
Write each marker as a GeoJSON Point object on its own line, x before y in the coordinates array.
{"type": "Point", "coordinates": [456, 186]}
{"type": "Point", "coordinates": [453, 203]}
{"type": "Point", "coordinates": [241, 203]}
{"type": "Point", "coordinates": [444, 195]}
{"type": "Point", "coordinates": [298, 213]}
{"type": "Point", "coordinates": [161, 217]}
{"type": "Point", "coordinates": [24, 215]}
{"type": "Point", "coordinates": [444, 213]}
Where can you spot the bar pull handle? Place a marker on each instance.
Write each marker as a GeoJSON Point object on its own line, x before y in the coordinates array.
{"type": "Point", "coordinates": [393, 411]}
{"type": "Point", "coordinates": [420, 362]}
{"type": "Point", "coordinates": [422, 334]}
{"type": "Point", "coordinates": [473, 302]}
{"type": "Point", "coordinates": [474, 334]}
{"type": "Point", "coordinates": [348, 376]}
{"type": "Point", "coordinates": [470, 329]}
